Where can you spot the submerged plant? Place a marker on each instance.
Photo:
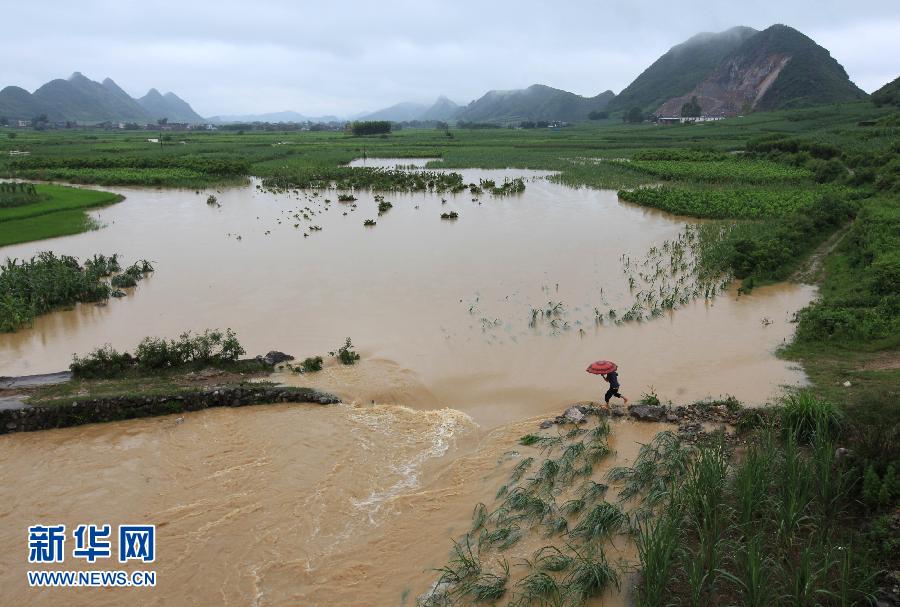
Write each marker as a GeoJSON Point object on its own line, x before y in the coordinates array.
{"type": "Point", "coordinates": [599, 523]}
{"type": "Point", "coordinates": [501, 537]}
{"type": "Point", "coordinates": [659, 464]}
{"type": "Point", "coordinates": [479, 517]}
{"type": "Point", "coordinates": [551, 558]}
{"type": "Point", "coordinates": [345, 353]}
{"type": "Point", "coordinates": [311, 364]}
{"type": "Point", "coordinates": [520, 468]}
{"type": "Point", "coordinates": [591, 574]}
{"type": "Point", "coordinates": [488, 586]}
{"type": "Point", "coordinates": [539, 588]}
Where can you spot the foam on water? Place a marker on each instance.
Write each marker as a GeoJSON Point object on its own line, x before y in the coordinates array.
{"type": "Point", "coordinates": [418, 436]}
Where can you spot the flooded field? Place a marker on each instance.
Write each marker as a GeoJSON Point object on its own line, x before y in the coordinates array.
{"type": "Point", "coordinates": [355, 504]}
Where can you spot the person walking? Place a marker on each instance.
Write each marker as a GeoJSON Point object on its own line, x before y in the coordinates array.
{"type": "Point", "coordinates": [608, 370]}
{"type": "Point", "coordinates": [612, 378]}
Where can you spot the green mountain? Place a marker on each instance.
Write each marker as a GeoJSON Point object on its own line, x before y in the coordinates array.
{"type": "Point", "coordinates": [889, 94]}
{"type": "Point", "coordinates": [537, 102]}
{"type": "Point", "coordinates": [678, 71]}
{"type": "Point", "coordinates": [777, 68]}
{"type": "Point", "coordinates": [18, 104]}
{"type": "Point", "coordinates": [169, 106]}
{"type": "Point", "coordinates": [810, 77]}
{"type": "Point", "coordinates": [80, 99]}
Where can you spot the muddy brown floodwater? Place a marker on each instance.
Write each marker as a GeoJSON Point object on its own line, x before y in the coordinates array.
{"type": "Point", "coordinates": [355, 504]}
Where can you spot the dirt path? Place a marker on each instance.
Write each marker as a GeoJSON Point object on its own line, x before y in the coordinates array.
{"type": "Point", "coordinates": [883, 361]}
{"type": "Point", "coordinates": [811, 271]}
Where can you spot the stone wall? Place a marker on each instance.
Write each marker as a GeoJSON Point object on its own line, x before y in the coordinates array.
{"type": "Point", "coordinates": [113, 408]}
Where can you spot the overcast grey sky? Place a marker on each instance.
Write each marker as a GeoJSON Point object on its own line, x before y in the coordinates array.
{"type": "Point", "coordinates": [342, 57]}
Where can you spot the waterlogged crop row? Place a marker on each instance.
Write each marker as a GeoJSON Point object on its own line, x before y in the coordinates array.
{"type": "Point", "coordinates": [153, 177]}
{"type": "Point", "coordinates": [352, 178]}
{"type": "Point", "coordinates": [200, 164]}
{"type": "Point", "coordinates": [679, 154]}
{"type": "Point", "coordinates": [721, 204]}
{"type": "Point", "coordinates": [722, 171]}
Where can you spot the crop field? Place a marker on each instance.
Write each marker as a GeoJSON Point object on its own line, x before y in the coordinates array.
{"type": "Point", "coordinates": [55, 211]}
{"type": "Point", "coordinates": [722, 171]}
{"type": "Point", "coordinates": [716, 203]}
{"type": "Point", "coordinates": [202, 158]}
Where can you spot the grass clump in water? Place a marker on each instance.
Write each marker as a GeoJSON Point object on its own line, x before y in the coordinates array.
{"type": "Point", "coordinates": [601, 522]}
{"type": "Point", "coordinates": [591, 574]}
{"type": "Point", "coordinates": [346, 354]}
{"type": "Point", "coordinates": [311, 364]}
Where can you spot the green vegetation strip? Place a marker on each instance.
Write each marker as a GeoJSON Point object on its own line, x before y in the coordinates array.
{"type": "Point", "coordinates": [722, 203]}
{"type": "Point", "coordinates": [56, 198]}
{"type": "Point", "coordinates": [212, 348]}
{"type": "Point", "coordinates": [733, 170]}
{"type": "Point", "coordinates": [53, 211]}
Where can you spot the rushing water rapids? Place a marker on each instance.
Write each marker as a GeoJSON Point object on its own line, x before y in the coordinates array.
{"type": "Point", "coordinates": [353, 504]}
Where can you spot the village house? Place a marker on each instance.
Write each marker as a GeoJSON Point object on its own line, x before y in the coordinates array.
{"type": "Point", "coordinates": [683, 119]}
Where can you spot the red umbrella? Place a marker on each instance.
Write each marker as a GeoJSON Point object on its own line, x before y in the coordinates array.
{"type": "Point", "coordinates": [602, 367]}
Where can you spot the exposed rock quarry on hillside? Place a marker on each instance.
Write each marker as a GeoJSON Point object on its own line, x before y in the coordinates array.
{"type": "Point", "coordinates": [732, 89]}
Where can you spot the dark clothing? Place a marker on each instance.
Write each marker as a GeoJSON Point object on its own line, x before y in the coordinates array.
{"type": "Point", "coordinates": [613, 379]}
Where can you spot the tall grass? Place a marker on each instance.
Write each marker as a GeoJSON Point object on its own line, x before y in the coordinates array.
{"type": "Point", "coordinates": [804, 414]}
{"type": "Point", "coordinates": [765, 528]}
{"type": "Point", "coordinates": [658, 540]}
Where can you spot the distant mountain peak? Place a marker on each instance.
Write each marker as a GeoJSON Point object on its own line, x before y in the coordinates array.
{"type": "Point", "coordinates": [740, 31]}
{"type": "Point", "coordinates": [80, 99]}
{"type": "Point", "coordinates": [111, 85]}
{"type": "Point", "coordinates": [168, 106]}
{"type": "Point", "coordinates": [538, 102]}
